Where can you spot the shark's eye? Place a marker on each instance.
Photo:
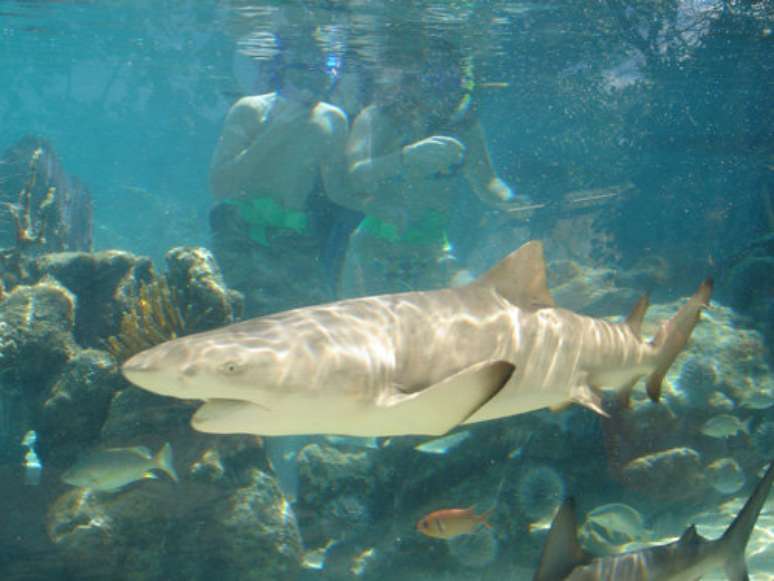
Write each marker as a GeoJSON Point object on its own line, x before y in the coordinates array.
{"type": "Point", "coordinates": [231, 367]}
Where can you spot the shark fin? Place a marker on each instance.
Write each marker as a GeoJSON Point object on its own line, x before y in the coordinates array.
{"type": "Point", "coordinates": [443, 406]}
{"type": "Point", "coordinates": [689, 537]}
{"type": "Point", "coordinates": [623, 396]}
{"type": "Point", "coordinates": [520, 278]}
{"type": "Point", "coordinates": [590, 398]}
{"type": "Point", "coordinates": [674, 334]}
{"type": "Point", "coordinates": [637, 314]}
{"type": "Point", "coordinates": [562, 551]}
{"type": "Point", "coordinates": [738, 533]}
{"type": "Point", "coordinates": [560, 407]}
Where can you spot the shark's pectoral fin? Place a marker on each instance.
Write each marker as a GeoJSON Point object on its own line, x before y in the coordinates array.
{"type": "Point", "coordinates": [562, 551]}
{"type": "Point", "coordinates": [443, 406]}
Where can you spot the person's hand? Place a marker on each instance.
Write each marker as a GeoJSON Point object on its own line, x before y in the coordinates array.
{"type": "Point", "coordinates": [498, 190]}
{"type": "Point", "coordinates": [519, 206]}
{"type": "Point", "coordinates": [435, 154]}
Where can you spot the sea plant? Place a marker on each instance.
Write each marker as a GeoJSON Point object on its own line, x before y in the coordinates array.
{"type": "Point", "coordinates": [154, 317]}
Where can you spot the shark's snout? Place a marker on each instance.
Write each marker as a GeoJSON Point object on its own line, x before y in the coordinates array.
{"type": "Point", "coordinates": [155, 371]}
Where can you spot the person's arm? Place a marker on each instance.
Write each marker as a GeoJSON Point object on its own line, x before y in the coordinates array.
{"type": "Point", "coordinates": [246, 143]}
{"type": "Point", "coordinates": [364, 169]}
{"type": "Point", "coordinates": [478, 168]}
{"type": "Point", "coordinates": [335, 176]}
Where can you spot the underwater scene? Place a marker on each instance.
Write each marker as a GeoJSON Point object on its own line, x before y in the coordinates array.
{"type": "Point", "coordinates": [386, 290]}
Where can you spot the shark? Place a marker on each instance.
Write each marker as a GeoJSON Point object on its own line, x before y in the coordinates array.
{"type": "Point", "coordinates": [418, 363]}
{"type": "Point", "coordinates": [688, 558]}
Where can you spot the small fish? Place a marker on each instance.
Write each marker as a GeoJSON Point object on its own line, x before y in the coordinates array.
{"type": "Point", "coordinates": [725, 426]}
{"type": "Point", "coordinates": [33, 466]}
{"type": "Point", "coordinates": [448, 523]}
{"type": "Point", "coordinates": [112, 469]}
{"type": "Point", "coordinates": [759, 400]}
{"type": "Point", "coordinates": [726, 476]}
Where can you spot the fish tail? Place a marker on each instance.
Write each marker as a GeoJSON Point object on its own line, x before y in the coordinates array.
{"type": "Point", "coordinates": [164, 461]}
{"type": "Point", "coordinates": [674, 334]}
{"type": "Point", "coordinates": [734, 540]}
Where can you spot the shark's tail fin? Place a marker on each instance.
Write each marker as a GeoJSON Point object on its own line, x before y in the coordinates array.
{"type": "Point", "coordinates": [738, 533]}
{"type": "Point", "coordinates": [674, 334]}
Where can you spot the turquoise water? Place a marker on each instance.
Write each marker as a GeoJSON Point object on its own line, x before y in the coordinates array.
{"type": "Point", "coordinates": [636, 140]}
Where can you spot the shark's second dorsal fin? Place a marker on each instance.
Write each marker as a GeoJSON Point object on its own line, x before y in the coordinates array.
{"type": "Point", "coordinates": [689, 537]}
{"type": "Point", "coordinates": [634, 320]}
{"type": "Point", "coordinates": [562, 551]}
{"type": "Point", "coordinates": [520, 278]}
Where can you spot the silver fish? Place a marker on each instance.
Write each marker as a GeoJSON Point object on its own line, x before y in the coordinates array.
{"type": "Point", "coordinates": [112, 469]}
{"type": "Point", "coordinates": [724, 426]}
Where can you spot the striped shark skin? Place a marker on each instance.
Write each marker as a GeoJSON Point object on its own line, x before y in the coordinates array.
{"type": "Point", "coordinates": [413, 363]}
{"type": "Point", "coordinates": [686, 559]}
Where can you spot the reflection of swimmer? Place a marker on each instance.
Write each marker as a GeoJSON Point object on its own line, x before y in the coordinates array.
{"type": "Point", "coordinates": [409, 154]}
{"type": "Point", "coordinates": [277, 150]}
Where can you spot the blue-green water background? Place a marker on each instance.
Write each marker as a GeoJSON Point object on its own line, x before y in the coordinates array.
{"type": "Point", "coordinates": [672, 97]}
{"type": "Point", "coordinates": [132, 96]}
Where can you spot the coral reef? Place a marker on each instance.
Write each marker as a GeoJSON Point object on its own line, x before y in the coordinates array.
{"type": "Point", "coordinates": [105, 285]}
{"type": "Point", "coordinates": [195, 300]}
{"type": "Point", "coordinates": [45, 209]}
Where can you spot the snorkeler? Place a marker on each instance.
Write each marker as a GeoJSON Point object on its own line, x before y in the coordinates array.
{"type": "Point", "coordinates": [409, 155]}
{"type": "Point", "coordinates": [276, 152]}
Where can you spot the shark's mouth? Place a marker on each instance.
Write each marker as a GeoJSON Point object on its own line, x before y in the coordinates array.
{"type": "Point", "coordinates": [227, 415]}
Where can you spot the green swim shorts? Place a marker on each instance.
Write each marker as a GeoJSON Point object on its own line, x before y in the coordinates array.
{"type": "Point", "coordinates": [431, 229]}
{"type": "Point", "coordinates": [264, 212]}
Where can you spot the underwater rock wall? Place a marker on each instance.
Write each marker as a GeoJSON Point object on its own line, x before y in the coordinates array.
{"type": "Point", "coordinates": [62, 383]}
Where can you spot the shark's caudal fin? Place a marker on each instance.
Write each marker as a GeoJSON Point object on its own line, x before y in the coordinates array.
{"type": "Point", "coordinates": [674, 334]}
{"type": "Point", "coordinates": [562, 551]}
{"type": "Point", "coordinates": [735, 538]}
{"type": "Point", "coordinates": [520, 278]}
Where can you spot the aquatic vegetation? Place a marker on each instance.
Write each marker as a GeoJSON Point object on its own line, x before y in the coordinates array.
{"type": "Point", "coordinates": [153, 318]}
{"type": "Point", "coordinates": [540, 491]}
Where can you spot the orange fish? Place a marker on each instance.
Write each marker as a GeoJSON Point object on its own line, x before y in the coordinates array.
{"type": "Point", "coordinates": [451, 522]}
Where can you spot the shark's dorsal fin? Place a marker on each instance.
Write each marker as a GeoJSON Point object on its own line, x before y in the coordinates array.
{"type": "Point", "coordinates": [689, 537]}
{"type": "Point", "coordinates": [634, 320]}
{"type": "Point", "coordinates": [520, 278]}
{"type": "Point", "coordinates": [562, 551]}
